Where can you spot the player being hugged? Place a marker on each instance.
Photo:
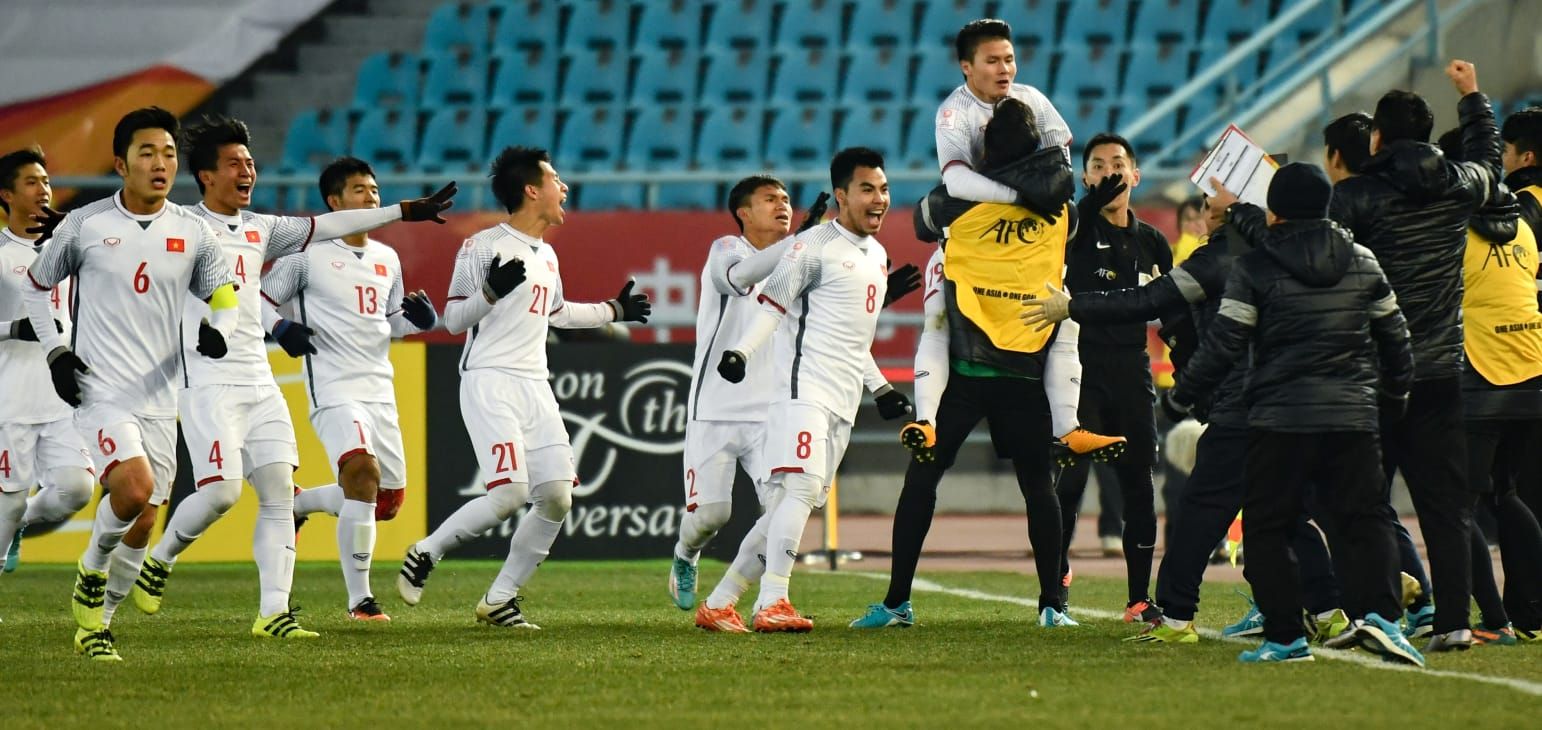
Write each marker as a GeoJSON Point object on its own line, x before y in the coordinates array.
{"type": "Point", "coordinates": [506, 293]}
{"type": "Point", "coordinates": [350, 303]}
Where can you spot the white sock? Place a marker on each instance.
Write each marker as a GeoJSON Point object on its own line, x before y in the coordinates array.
{"type": "Point", "coordinates": [784, 535]}
{"type": "Point", "coordinates": [273, 537]}
{"type": "Point", "coordinates": [328, 499]}
{"type": "Point", "coordinates": [1063, 379]}
{"type": "Point", "coordinates": [698, 527]}
{"type": "Point", "coordinates": [532, 539]}
{"type": "Point", "coordinates": [1325, 615]}
{"type": "Point", "coordinates": [474, 518]}
{"type": "Point", "coordinates": [356, 547]}
{"type": "Point", "coordinates": [13, 506]}
{"type": "Point", "coordinates": [748, 566]}
{"type": "Point", "coordinates": [126, 562]}
{"type": "Point", "coordinates": [106, 532]}
{"type": "Point", "coordinates": [193, 516]}
{"type": "Point", "coordinates": [65, 491]}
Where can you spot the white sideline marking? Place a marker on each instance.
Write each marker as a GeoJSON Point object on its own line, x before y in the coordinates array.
{"type": "Point", "coordinates": [925, 586]}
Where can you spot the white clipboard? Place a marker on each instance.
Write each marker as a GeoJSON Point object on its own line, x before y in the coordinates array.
{"type": "Point", "coordinates": [1240, 164]}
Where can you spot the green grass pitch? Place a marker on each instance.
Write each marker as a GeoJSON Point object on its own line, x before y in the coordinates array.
{"type": "Point", "coordinates": [613, 652]}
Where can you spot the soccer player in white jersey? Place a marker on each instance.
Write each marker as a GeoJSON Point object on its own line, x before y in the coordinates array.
{"type": "Point", "coordinates": [821, 303]}
{"type": "Point", "coordinates": [505, 293]}
{"type": "Point", "coordinates": [134, 257]}
{"type": "Point", "coordinates": [39, 445]}
{"type": "Point", "coordinates": [234, 418]}
{"type": "Point", "coordinates": [349, 293]}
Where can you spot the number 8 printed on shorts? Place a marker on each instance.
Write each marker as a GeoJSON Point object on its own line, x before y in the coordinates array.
{"type": "Point", "coordinates": [805, 445]}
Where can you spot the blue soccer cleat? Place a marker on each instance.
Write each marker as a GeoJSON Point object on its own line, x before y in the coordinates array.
{"type": "Point", "coordinates": [1267, 652]}
{"type": "Point", "coordinates": [879, 616]}
{"type": "Point", "coordinates": [682, 584]}
{"type": "Point", "coordinates": [1419, 623]}
{"type": "Point", "coordinates": [1054, 618]}
{"type": "Point", "coordinates": [13, 556]}
{"type": "Point", "coordinates": [1251, 623]}
{"type": "Point", "coordinates": [1380, 636]}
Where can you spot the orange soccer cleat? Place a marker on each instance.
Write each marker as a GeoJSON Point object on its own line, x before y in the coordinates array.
{"type": "Point", "coordinates": [1082, 444]}
{"type": "Point", "coordinates": [720, 620]}
{"type": "Point", "coordinates": [781, 616]}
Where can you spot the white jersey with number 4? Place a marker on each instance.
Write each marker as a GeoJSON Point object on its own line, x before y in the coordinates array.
{"type": "Point", "coordinates": [249, 240]}
{"type": "Point", "coordinates": [830, 288]}
{"type": "Point", "coordinates": [352, 298]}
{"type": "Point", "coordinates": [29, 391]}
{"type": "Point", "coordinates": [722, 316]}
{"type": "Point", "coordinates": [962, 118]}
{"type": "Point", "coordinates": [132, 273]}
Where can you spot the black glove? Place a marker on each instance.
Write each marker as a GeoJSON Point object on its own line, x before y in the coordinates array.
{"type": "Point", "coordinates": [429, 208]}
{"type": "Point", "coordinates": [1049, 216]}
{"type": "Point", "coordinates": [501, 279]}
{"type": "Point", "coordinates": [902, 281]}
{"type": "Point", "coordinates": [631, 307]}
{"type": "Point", "coordinates": [210, 342]}
{"type": "Point", "coordinates": [418, 310]}
{"type": "Point", "coordinates": [294, 337]}
{"type": "Point", "coordinates": [893, 404]}
{"type": "Point", "coordinates": [46, 222]}
{"type": "Point", "coordinates": [815, 212]}
{"type": "Point", "coordinates": [1393, 407]}
{"type": "Point", "coordinates": [1174, 410]}
{"type": "Point", "coordinates": [21, 329]}
{"type": "Point", "coordinates": [1099, 196]}
{"type": "Point", "coordinates": [63, 364]}
{"type": "Point", "coordinates": [731, 367]}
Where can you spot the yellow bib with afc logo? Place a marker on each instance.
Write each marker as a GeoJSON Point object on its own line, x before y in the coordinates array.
{"type": "Point", "coordinates": [998, 256]}
{"type": "Point", "coordinates": [1502, 328]}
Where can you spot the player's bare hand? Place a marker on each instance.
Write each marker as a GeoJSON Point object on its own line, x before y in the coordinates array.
{"type": "Point", "coordinates": [429, 208]}
{"type": "Point", "coordinates": [1047, 311]}
{"type": "Point", "coordinates": [1463, 75]}
{"type": "Point", "coordinates": [1222, 199]}
{"type": "Point", "coordinates": [46, 221]}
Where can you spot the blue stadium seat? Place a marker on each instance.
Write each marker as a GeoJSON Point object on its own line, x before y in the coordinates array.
{"type": "Point", "coordinates": [592, 140]}
{"type": "Point", "coordinates": [386, 136]}
{"type": "Point", "coordinates": [391, 193]}
{"type": "Point", "coordinates": [301, 198]}
{"type": "Point", "coordinates": [689, 196]}
{"type": "Point", "coordinates": [1166, 20]}
{"type": "Point", "coordinates": [936, 76]}
{"type": "Point", "coordinates": [738, 24]}
{"type": "Point", "coordinates": [906, 193]}
{"type": "Point", "coordinates": [806, 76]}
{"type": "Point", "coordinates": [526, 126]}
{"type": "Point", "coordinates": [456, 79]}
{"type": "Point", "coordinates": [1156, 136]}
{"type": "Point", "coordinates": [1033, 62]}
{"type": "Point", "coordinates": [453, 138]}
{"type": "Point", "coordinates": [525, 24]}
{"type": "Point", "coordinates": [1090, 71]}
{"type": "Point", "coordinates": [598, 23]}
{"type": "Point", "coordinates": [524, 77]}
{"type": "Point", "coordinates": [666, 75]}
{"type": "Point", "coordinates": [661, 139]}
{"type": "Point", "coordinates": [736, 77]}
{"type": "Point", "coordinates": [812, 24]}
{"type": "Point", "coordinates": [731, 138]}
{"type": "Point", "coordinates": [265, 198]}
{"type": "Point", "coordinates": [453, 27]}
{"type": "Point", "coordinates": [1156, 69]}
{"type": "Point", "coordinates": [877, 126]}
{"type": "Point", "coordinates": [1100, 21]}
{"type": "Point", "coordinates": [669, 23]}
{"type": "Point", "coordinates": [1245, 73]}
{"type": "Point", "coordinates": [388, 79]}
{"type": "Point", "coordinates": [1304, 30]}
{"type": "Point", "coordinates": [1230, 20]}
{"type": "Point", "coordinates": [1085, 117]}
{"type": "Point", "coordinates": [596, 76]}
{"type": "Point", "coordinates": [921, 139]}
{"type": "Point", "coordinates": [878, 22]}
{"type": "Point", "coordinates": [941, 19]}
{"type": "Point", "coordinates": [315, 137]}
{"type": "Point", "coordinates": [799, 138]}
{"type": "Point", "coordinates": [876, 74]}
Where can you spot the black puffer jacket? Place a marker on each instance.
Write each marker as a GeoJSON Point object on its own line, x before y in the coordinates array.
{"type": "Point", "coordinates": [1186, 300]}
{"type": "Point", "coordinates": [1498, 223]}
{"type": "Point", "coordinates": [1326, 332]}
{"type": "Point", "coordinates": [1410, 207]}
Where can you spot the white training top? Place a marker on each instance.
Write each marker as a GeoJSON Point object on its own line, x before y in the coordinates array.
{"type": "Point", "coordinates": [133, 273]}
{"type": "Point", "coordinates": [29, 391]}
{"type": "Point", "coordinates": [352, 298]}
{"type": "Point", "coordinates": [722, 317]}
{"type": "Point", "coordinates": [962, 118]}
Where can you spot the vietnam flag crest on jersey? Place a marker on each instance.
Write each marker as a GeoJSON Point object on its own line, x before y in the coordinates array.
{"type": "Point", "coordinates": [176, 245]}
{"type": "Point", "coordinates": [253, 237]}
{"type": "Point", "coordinates": [380, 270]}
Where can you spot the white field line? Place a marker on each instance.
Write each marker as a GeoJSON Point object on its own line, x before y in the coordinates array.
{"type": "Point", "coordinates": [925, 586]}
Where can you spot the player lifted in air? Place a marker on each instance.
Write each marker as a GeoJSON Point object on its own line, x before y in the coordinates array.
{"type": "Point", "coordinates": [39, 445]}
{"type": "Point", "coordinates": [505, 293]}
{"type": "Point", "coordinates": [350, 303]}
{"type": "Point", "coordinates": [822, 305]}
{"type": "Point", "coordinates": [134, 257]}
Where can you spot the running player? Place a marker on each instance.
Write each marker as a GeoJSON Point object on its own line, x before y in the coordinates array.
{"type": "Point", "coordinates": [350, 292]}
{"type": "Point", "coordinates": [507, 291]}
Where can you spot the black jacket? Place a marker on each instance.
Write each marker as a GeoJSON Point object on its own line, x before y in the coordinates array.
{"type": "Point", "coordinates": [1410, 207]}
{"type": "Point", "coordinates": [1531, 208]}
{"type": "Point", "coordinates": [1498, 223]}
{"type": "Point", "coordinates": [1186, 300]}
{"type": "Point", "coordinates": [1327, 335]}
{"type": "Point", "coordinates": [1104, 257]}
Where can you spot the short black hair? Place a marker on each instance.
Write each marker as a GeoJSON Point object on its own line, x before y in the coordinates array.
{"type": "Point", "coordinates": [1524, 130]}
{"type": "Point", "coordinates": [512, 170]}
{"type": "Point", "coordinates": [1011, 134]}
{"type": "Point", "coordinates": [202, 142]}
{"type": "Point", "coordinates": [979, 31]}
{"type": "Point", "coordinates": [1350, 136]}
{"type": "Point", "coordinates": [150, 117]}
{"type": "Point", "coordinates": [10, 169]}
{"type": "Point", "coordinates": [1103, 138]}
{"type": "Point", "coordinates": [334, 177]}
{"type": "Point", "coordinates": [844, 166]}
{"type": "Point", "coordinates": [1195, 203]}
{"type": "Point", "coordinates": [742, 190]}
{"type": "Point", "coordinates": [1403, 115]}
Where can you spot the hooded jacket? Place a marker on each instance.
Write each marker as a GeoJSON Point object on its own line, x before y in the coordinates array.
{"type": "Point", "coordinates": [1326, 332]}
{"type": "Point", "coordinates": [1410, 207]}
{"type": "Point", "coordinates": [1503, 329]}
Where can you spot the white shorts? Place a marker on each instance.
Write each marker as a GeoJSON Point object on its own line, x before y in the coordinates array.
{"type": "Point", "coordinates": [232, 430]}
{"type": "Point", "coordinates": [367, 428]}
{"type": "Point", "coordinates": [30, 450]}
{"type": "Point", "coordinates": [516, 429]}
{"type": "Point", "coordinates": [712, 448]}
{"type": "Point", "coordinates": [805, 438]}
{"type": "Point", "coordinates": [114, 435]}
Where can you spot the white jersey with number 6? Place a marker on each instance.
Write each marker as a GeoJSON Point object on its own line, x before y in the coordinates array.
{"type": "Point", "coordinates": [29, 391]}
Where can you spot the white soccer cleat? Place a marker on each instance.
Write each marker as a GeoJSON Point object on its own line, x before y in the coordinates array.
{"type": "Point", "coordinates": [413, 575]}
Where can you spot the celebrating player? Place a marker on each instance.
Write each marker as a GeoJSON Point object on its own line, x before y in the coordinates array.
{"type": "Point", "coordinates": [507, 291]}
